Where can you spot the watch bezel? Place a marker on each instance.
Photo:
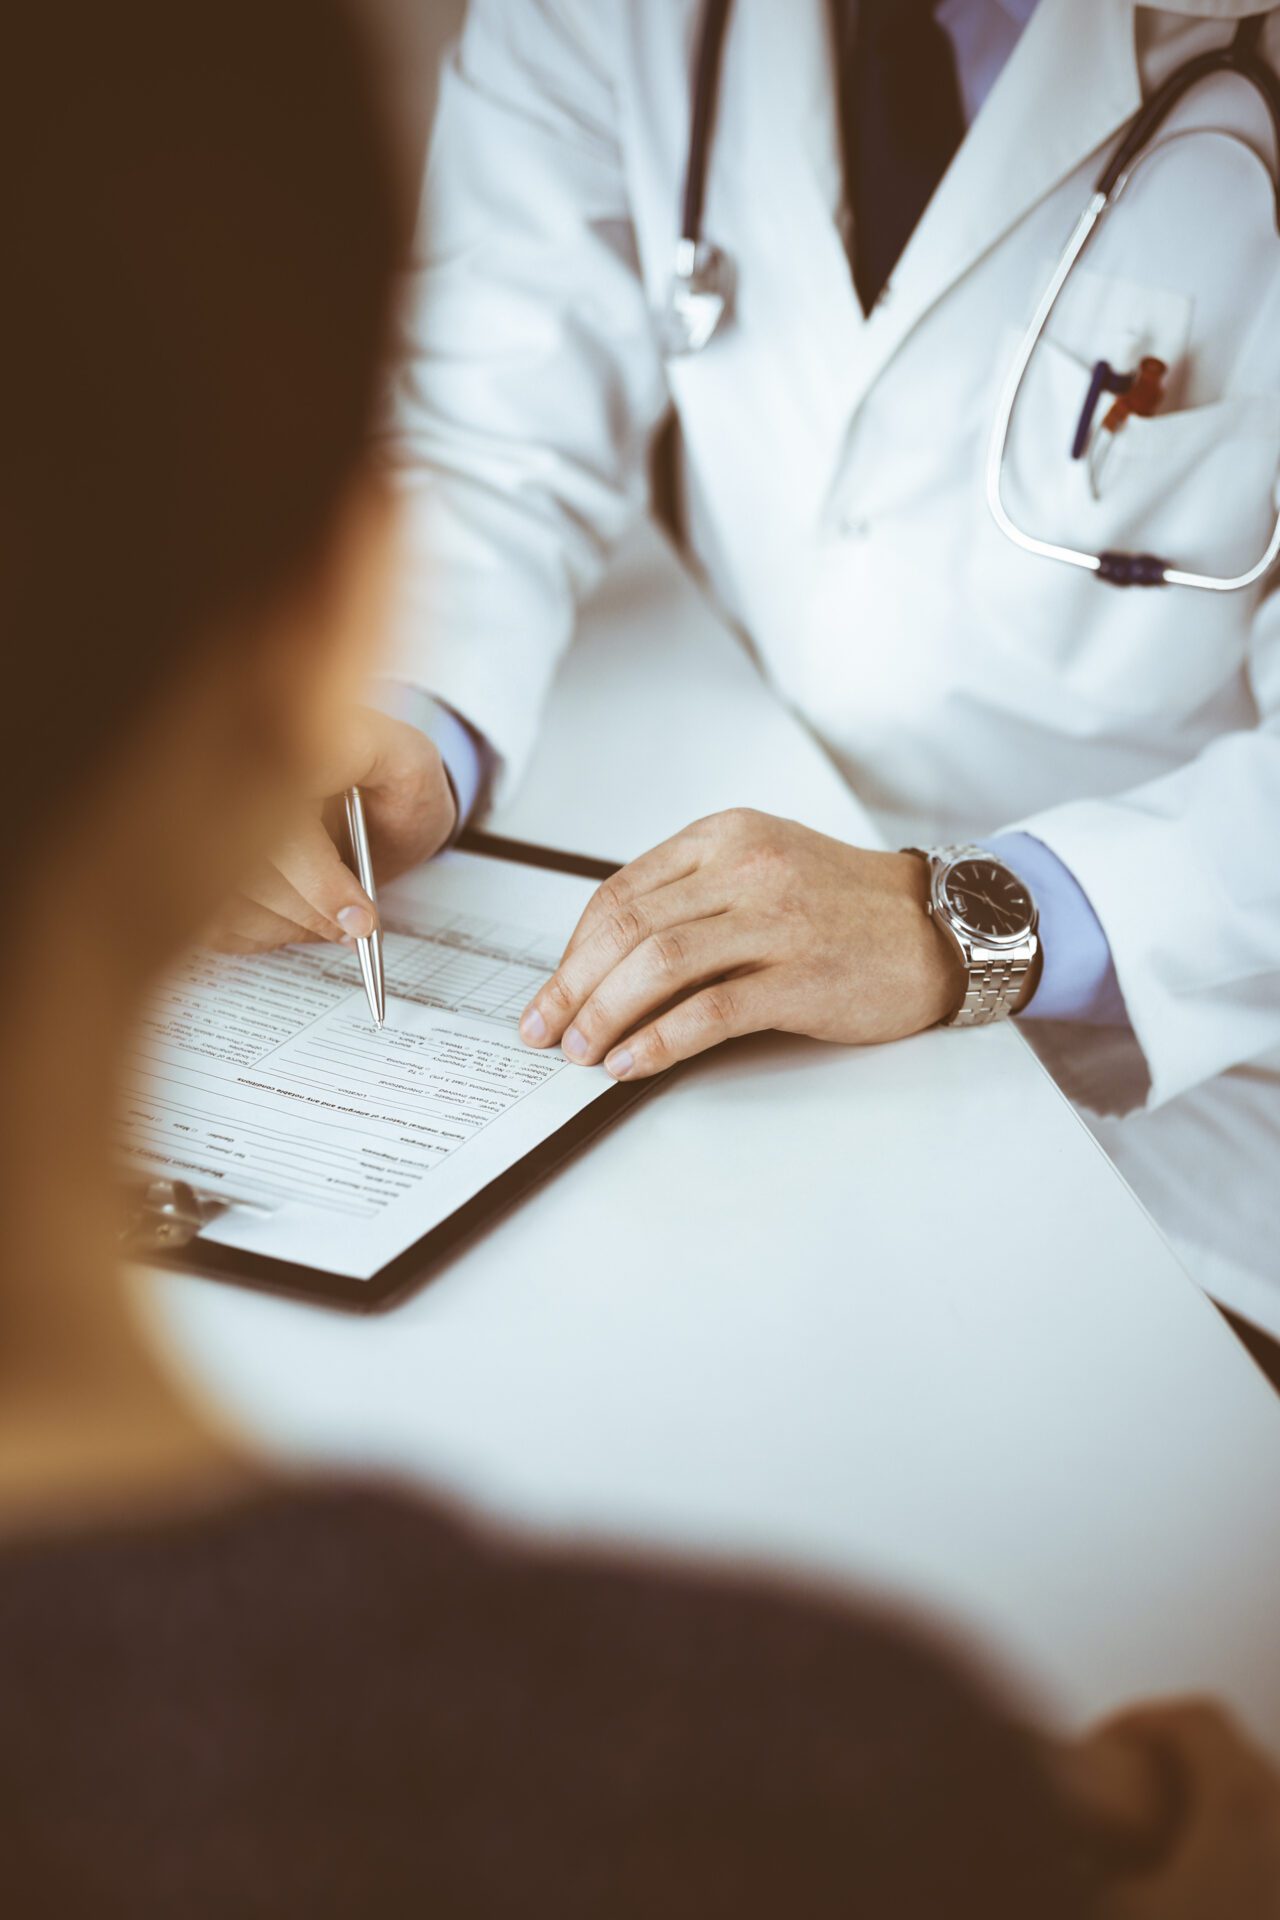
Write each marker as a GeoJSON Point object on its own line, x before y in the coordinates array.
{"type": "Point", "coordinates": [943, 907]}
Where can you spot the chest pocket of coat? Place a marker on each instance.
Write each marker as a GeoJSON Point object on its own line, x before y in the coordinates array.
{"type": "Point", "coordinates": [1194, 484]}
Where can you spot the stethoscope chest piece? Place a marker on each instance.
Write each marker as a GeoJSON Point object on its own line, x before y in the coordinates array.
{"type": "Point", "coordinates": [699, 298]}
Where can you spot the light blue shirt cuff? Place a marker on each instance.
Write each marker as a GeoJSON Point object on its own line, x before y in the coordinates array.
{"type": "Point", "coordinates": [467, 755]}
{"type": "Point", "coordinates": [1077, 980]}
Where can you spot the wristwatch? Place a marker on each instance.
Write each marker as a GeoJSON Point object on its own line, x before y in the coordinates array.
{"type": "Point", "coordinates": [990, 918]}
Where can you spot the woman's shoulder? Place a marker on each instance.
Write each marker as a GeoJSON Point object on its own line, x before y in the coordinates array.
{"type": "Point", "coordinates": [354, 1700]}
{"type": "Point", "coordinates": [239, 1564]}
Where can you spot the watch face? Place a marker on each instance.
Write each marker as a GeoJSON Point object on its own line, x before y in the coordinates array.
{"type": "Point", "coordinates": [989, 900]}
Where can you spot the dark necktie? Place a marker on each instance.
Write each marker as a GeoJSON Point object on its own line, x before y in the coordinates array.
{"type": "Point", "coordinates": [901, 120]}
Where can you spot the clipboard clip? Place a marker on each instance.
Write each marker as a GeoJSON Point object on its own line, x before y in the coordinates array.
{"type": "Point", "coordinates": [163, 1216]}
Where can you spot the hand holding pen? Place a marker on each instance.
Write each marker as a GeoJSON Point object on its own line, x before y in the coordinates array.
{"type": "Point", "coordinates": [310, 888]}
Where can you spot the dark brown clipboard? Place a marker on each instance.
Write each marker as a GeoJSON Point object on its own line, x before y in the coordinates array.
{"type": "Point", "coordinates": [418, 1263]}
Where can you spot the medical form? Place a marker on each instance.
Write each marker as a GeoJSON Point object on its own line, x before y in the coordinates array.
{"type": "Point", "coordinates": [262, 1080]}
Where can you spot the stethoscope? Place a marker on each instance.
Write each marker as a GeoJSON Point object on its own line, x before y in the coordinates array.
{"type": "Point", "coordinates": [700, 294]}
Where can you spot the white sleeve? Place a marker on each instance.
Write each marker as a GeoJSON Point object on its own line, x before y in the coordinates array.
{"type": "Point", "coordinates": [532, 384]}
{"type": "Point", "coordinates": [1184, 875]}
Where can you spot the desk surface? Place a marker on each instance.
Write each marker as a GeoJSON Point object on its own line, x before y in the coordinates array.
{"type": "Point", "coordinates": [761, 1316]}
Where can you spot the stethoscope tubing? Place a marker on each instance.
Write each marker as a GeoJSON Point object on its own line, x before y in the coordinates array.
{"type": "Point", "coordinates": [1138, 146]}
{"type": "Point", "coordinates": [706, 85]}
{"type": "Point", "coordinates": [1239, 56]}
{"type": "Point", "coordinates": [996, 448]}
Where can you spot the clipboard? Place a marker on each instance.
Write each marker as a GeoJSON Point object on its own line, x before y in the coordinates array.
{"type": "Point", "coordinates": [165, 1218]}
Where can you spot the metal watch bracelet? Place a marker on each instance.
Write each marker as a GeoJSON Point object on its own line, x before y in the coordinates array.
{"type": "Point", "coordinates": [994, 976]}
{"type": "Point", "coordinates": [994, 986]}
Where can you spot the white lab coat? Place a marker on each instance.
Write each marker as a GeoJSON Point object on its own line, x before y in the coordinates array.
{"type": "Point", "coordinates": [832, 471]}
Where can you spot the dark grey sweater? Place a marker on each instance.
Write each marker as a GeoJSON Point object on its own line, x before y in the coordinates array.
{"type": "Point", "coordinates": [324, 1703]}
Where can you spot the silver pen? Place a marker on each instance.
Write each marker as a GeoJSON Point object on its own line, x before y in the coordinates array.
{"type": "Point", "coordinates": [369, 948]}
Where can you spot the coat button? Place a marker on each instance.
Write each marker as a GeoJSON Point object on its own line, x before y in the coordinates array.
{"type": "Point", "coordinates": [854, 526]}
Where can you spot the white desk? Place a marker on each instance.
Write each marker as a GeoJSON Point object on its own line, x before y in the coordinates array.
{"type": "Point", "coordinates": [761, 1315]}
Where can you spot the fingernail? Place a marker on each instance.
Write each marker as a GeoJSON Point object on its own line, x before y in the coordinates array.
{"type": "Point", "coordinates": [533, 1026]}
{"type": "Point", "coordinates": [357, 921]}
{"type": "Point", "coordinates": [619, 1064]}
{"type": "Point", "coordinates": [575, 1044]}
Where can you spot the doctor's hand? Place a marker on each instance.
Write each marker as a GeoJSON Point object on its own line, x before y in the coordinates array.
{"type": "Point", "coordinates": [740, 923]}
{"type": "Point", "coordinates": [307, 891]}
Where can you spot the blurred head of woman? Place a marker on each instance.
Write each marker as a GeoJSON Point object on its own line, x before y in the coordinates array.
{"type": "Point", "coordinates": [199, 229]}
